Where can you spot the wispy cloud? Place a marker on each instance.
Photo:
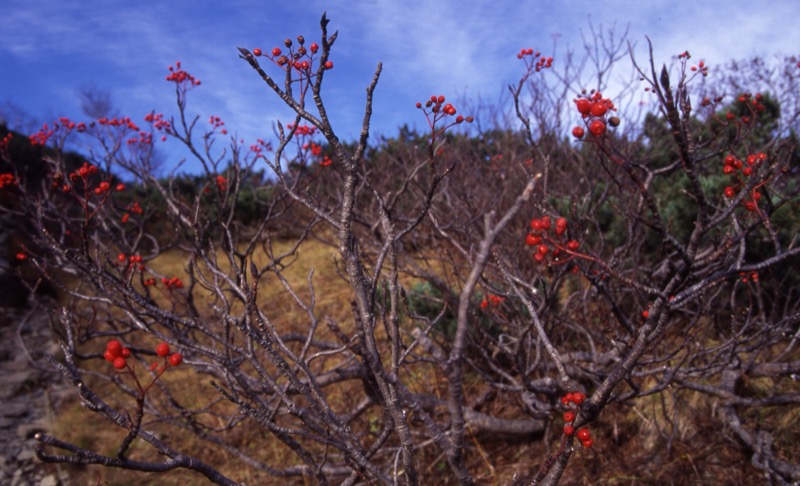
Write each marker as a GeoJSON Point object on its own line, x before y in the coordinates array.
{"type": "Point", "coordinates": [49, 49]}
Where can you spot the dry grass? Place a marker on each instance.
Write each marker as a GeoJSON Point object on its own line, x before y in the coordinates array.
{"type": "Point", "coordinates": [193, 391]}
{"type": "Point", "coordinates": [671, 438]}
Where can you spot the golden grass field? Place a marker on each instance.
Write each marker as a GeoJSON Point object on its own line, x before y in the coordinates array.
{"type": "Point", "coordinates": [631, 440]}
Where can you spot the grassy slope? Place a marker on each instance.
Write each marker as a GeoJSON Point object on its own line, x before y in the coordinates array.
{"type": "Point", "coordinates": [631, 445]}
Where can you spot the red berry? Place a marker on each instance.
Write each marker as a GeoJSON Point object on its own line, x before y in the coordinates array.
{"type": "Point", "coordinates": [573, 245]}
{"type": "Point", "coordinates": [730, 192]}
{"type": "Point", "coordinates": [569, 430]}
{"type": "Point", "coordinates": [597, 127]}
{"type": "Point", "coordinates": [578, 132]}
{"type": "Point", "coordinates": [578, 398]}
{"type": "Point", "coordinates": [532, 240]}
{"type": "Point", "coordinates": [542, 249]}
{"type": "Point", "coordinates": [126, 353]}
{"type": "Point", "coordinates": [276, 51]}
{"type": "Point", "coordinates": [598, 109]}
{"type": "Point", "coordinates": [566, 399]}
{"type": "Point", "coordinates": [584, 106]}
{"type": "Point", "coordinates": [120, 363]}
{"type": "Point", "coordinates": [114, 347]}
{"type": "Point", "coordinates": [645, 314]}
{"type": "Point", "coordinates": [588, 443]}
{"type": "Point", "coordinates": [109, 356]}
{"type": "Point", "coordinates": [175, 359]}
{"type": "Point", "coordinates": [329, 65]}
{"type": "Point", "coordinates": [314, 47]}
{"type": "Point", "coordinates": [256, 51]}
{"type": "Point", "coordinates": [162, 349]}
{"type": "Point", "coordinates": [569, 416]}
{"type": "Point", "coordinates": [583, 434]}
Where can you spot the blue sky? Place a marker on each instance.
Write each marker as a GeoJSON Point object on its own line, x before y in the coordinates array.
{"type": "Point", "coordinates": [51, 49]}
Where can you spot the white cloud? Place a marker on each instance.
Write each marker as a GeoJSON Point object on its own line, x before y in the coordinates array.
{"type": "Point", "coordinates": [459, 48]}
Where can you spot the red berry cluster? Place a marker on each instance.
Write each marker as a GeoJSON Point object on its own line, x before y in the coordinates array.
{"type": "Point", "coordinates": [259, 146]}
{"type": "Point", "coordinates": [534, 61]}
{"type": "Point", "coordinates": [740, 171]}
{"type": "Point", "coordinates": [544, 234]}
{"type": "Point", "coordinates": [701, 68]}
{"type": "Point", "coordinates": [436, 109]}
{"type": "Point", "coordinates": [158, 121]}
{"type": "Point", "coordinates": [163, 351]}
{"type": "Point", "coordinates": [133, 207]}
{"type": "Point", "coordinates": [222, 183]}
{"type": "Point", "coordinates": [7, 179]}
{"type": "Point", "coordinates": [301, 59]}
{"type": "Point", "coordinates": [129, 264]}
{"type": "Point", "coordinates": [116, 354]}
{"type": "Point", "coordinates": [216, 123]}
{"type": "Point", "coordinates": [583, 434]}
{"type": "Point", "coordinates": [181, 77]}
{"type": "Point", "coordinates": [125, 124]}
{"type": "Point", "coordinates": [118, 122]}
{"type": "Point", "coordinates": [132, 260]}
{"type": "Point", "coordinates": [42, 136]}
{"type": "Point", "coordinates": [752, 105]}
{"type": "Point", "coordinates": [751, 277]}
{"type": "Point", "coordinates": [302, 130]}
{"type": "Point", "coordinates": [594, 110]}
{"type": "Point", "coordinates": [84, 171]}
{"type": "Point", "coordinates": [172, 283]}
{"type": "Point", "coordinates": [5, 141]}
{"type": "Point", "coordinates": [315, 148]}
{"type": "Point", "coordinates": [81, 181]}
{"type": "Point", "coordinates": [492, 300]}
{"type": "Point", "coordinates": [64, 124]}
